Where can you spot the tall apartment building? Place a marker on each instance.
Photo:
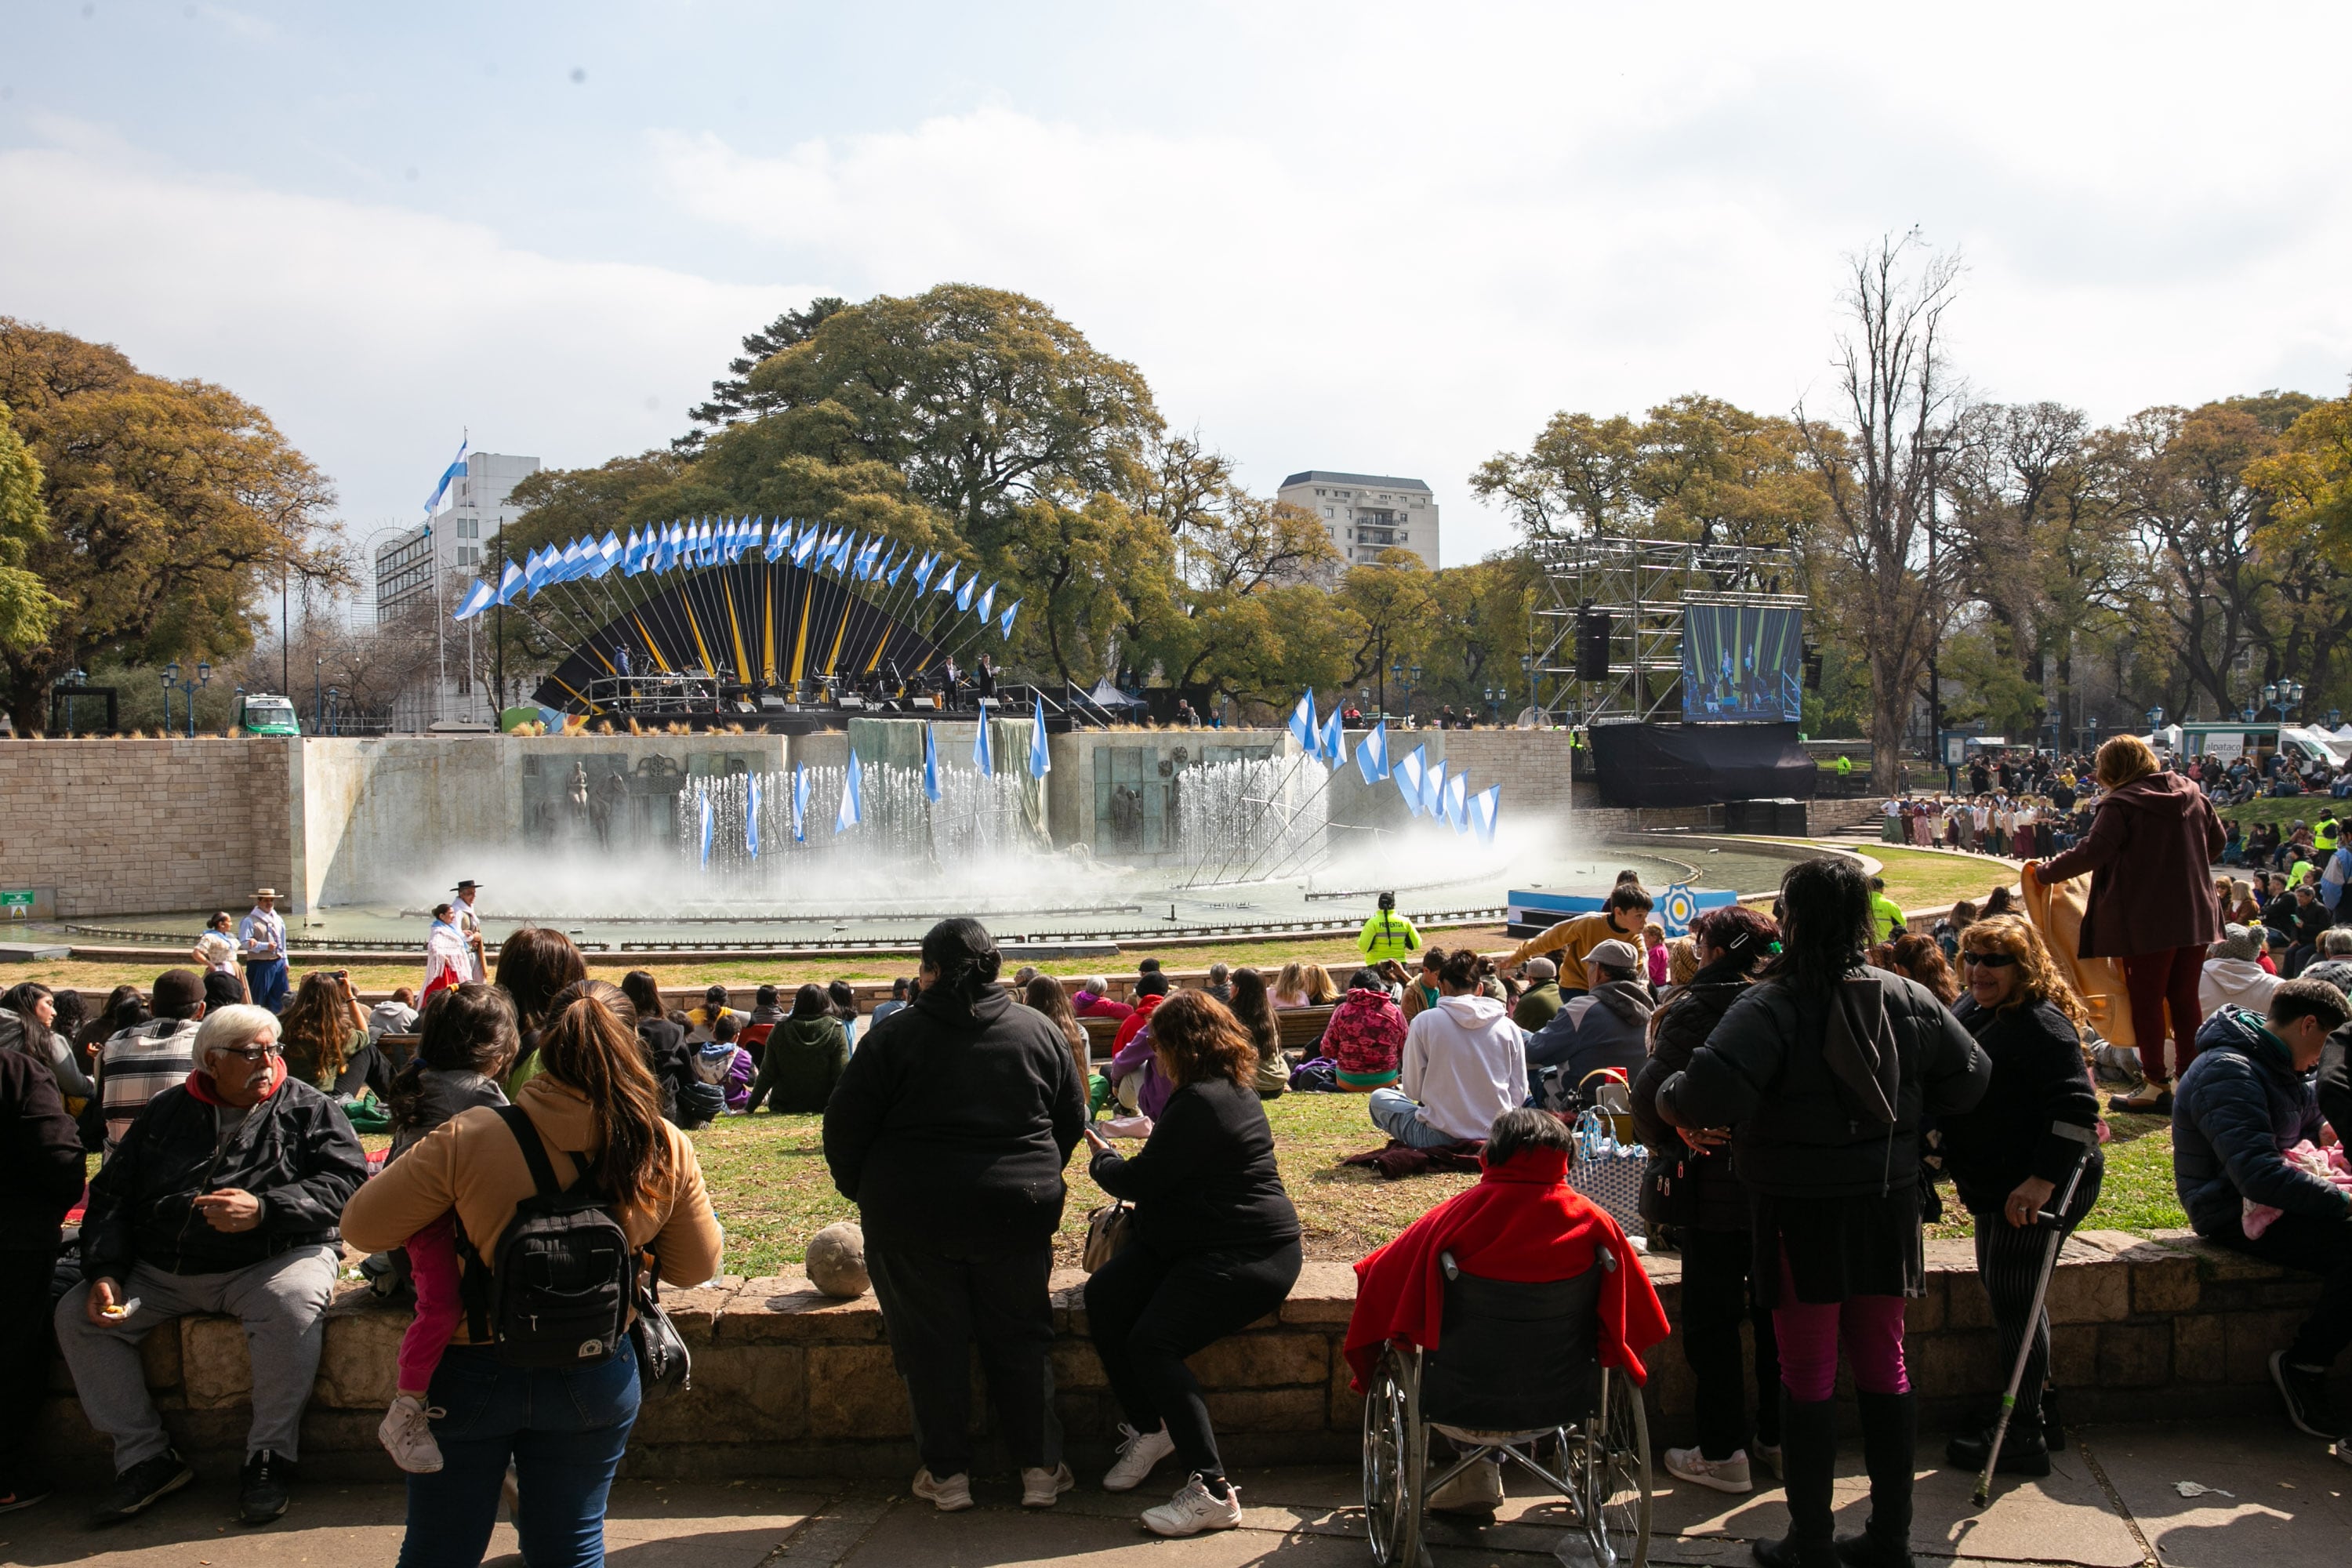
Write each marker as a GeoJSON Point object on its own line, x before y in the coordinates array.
{"type": "Point", "coordinates": [456, 545]}
{"type": "Point", "coordinates": [1368, 514]}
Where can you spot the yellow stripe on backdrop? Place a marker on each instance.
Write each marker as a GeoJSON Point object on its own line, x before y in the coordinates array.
{"type": "Point", "coordinates": [800, 644]}
{"type": "Point", "coordinates": [652, 646]}
{"type": "Point", "coordinates": [735, 625]}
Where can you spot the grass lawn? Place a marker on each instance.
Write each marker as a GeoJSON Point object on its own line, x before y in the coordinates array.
{"type": "Point", "coordinates": [768, 1181]}
{"type": "Point", "coordinates": [1920, 878]}
{"type": "Point", "coordinates": [2292, 809]}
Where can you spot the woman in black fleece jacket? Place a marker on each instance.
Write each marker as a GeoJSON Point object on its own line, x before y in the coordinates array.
{"type": "Point", "coordinates": [2010, 1155]}
{"type": "Point", "coordinates": [1690, 1175]}
{"type": "Point", "coordinates": [1215, 1247]}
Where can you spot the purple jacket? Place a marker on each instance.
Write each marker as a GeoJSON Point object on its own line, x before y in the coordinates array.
{"type": "Point", "coordinates": [1151, 1095]}
{"type": "Point", "coordinates": [738, 1087]}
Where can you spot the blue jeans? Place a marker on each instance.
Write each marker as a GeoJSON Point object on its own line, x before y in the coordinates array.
{"type": "Point", "coordinates": [1397, 1114]}
{"type": "Point", "coordinates": [564, 1430]}
{"type": "Point", "coordinates": [265, 983]}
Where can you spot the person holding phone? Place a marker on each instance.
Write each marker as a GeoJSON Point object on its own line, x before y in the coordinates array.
{"type": "Point", "coordinates": [1215, 1247]}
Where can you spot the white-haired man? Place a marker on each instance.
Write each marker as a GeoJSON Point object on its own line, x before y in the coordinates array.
{"type": "Point", "coordinates": [223, 1196]}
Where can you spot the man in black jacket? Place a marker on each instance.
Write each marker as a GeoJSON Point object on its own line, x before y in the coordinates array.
{"type": "Point", "coordinates": [40, 1176]}
{"type": "Point", "coordinates": [948, 1130]}
{"type": "Point", "coordinates": [223, 1197]}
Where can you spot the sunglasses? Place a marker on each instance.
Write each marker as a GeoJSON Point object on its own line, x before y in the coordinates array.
{"type": "Point", "coordinates": [1988, 960]}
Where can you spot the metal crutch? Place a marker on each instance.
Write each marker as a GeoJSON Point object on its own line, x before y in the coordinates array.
{"type": "Point", "coordinates": [2055, 1220]}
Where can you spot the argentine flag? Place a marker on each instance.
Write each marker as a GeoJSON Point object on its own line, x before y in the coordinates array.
{"type": "Point", "coordinates": [1484, 808]}
{"type": "Point", "coordinates": [1041, 760]}
{"type": "Point", "coordinates": [931, 763]}
{"type": "Point", "coordinates": [1303, 727]}
{"type": "Point", "coordinates": [752, 818]}
{"type": "Point", "coordinates": [982, 757]}
{"type": "Point", "coordinates": [1372, 754]}
{"type": "Point", "coordinates": [853, 804]}
{"type": "Point", "coordinates": [1004, 622]}
{"type": "Point", "coordinates": [1408, 774]}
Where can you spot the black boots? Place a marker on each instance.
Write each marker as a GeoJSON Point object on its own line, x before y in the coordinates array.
{"type": "Point", "coordinates": [1808, 1466]}
{"type": "Point", "coordinates": [1890, 1436]}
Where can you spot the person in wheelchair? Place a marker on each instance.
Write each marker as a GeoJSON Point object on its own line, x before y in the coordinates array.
{"type": "Point", "coordinates": [1502, 1305]}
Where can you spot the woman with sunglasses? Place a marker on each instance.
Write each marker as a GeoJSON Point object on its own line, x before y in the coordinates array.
{"type": "Point", "coordinates": [2012, 1153]}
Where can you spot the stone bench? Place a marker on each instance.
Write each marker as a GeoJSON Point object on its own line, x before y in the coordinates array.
{"type": "Point", "coordinates": [788, 1382]}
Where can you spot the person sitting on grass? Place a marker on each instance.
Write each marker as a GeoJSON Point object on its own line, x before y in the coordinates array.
{"type": "Point", "coordinates": [1461, 1067]}
{"type": "Point", "coordinates": [1540, 1004]}
{"type": "Point", "coordinates": [1521, 1223]}
{"type": "Point", "coordinates": [807, 1053]}
{"type": "Point", "coordinates": [1132, 1071]}
{"type": "Point", "coordinates": [2245, 1100]}
{"type": "Point", "coordinates": [1608, 1026]}
{"type": "Point", "coordinates": [1365, 1036]}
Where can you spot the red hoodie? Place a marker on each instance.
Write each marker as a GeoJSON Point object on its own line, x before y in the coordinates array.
{"type": "Point", "coordinates": [1522, 1222]}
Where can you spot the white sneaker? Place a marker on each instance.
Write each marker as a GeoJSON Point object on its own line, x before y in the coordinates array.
{"type": "Point", "coordinates": [408, 1436]}
{"type": "Point", "coordinates": [1724, 1475]}
{"type": "Point", "coordinates": [952, 1495]}
{"type": "Point", "coordinates": [1040, 1487]}
{"type": "Point", "coordinates": [1138, 1452]}
{"type": "Point", "coordinates": [1193, 1510]}
{"type": "Point", "coordinates": [1477, 1489]}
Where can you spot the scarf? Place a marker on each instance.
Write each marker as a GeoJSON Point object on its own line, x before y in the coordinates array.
{"type": "Point", "coordinates": [1522, 1222]}
{"type": "Point", "coordinates": [200, 1084]}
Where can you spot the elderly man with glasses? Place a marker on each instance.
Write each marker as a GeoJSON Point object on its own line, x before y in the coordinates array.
{"type": "Point", "coordinates": [223, 1197]}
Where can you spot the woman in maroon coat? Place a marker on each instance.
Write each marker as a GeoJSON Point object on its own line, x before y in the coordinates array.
{"type": "Point", "coordinates": [2150, 853]}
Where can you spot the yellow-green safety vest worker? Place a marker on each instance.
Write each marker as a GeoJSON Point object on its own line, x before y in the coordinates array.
{"type": "Point", "coordinates": [2323, 838]}
{"type": "Point", "coordinates": [1845, 764]}
{"type": "Point", "coordinates": [1387, 935]}
{"type": "Point", "coordinates": [1886, 914]}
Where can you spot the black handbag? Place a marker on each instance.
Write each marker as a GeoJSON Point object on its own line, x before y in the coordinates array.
{"type": "Point", "coordinates": [664, 1367]}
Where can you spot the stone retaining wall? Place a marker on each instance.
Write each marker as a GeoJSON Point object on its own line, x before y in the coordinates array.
{"type": "Point", "coordinates": [790, 1383]}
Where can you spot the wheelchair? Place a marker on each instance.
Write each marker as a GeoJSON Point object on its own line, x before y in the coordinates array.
{"type": "Point", "coordinates": [1516, 1377]}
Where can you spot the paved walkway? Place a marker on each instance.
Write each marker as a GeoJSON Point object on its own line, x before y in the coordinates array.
{"type": "Point", "coordinates": [2279, 1500]}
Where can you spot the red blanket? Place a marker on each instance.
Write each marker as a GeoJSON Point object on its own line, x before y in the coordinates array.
{"type": "Point", "coordinates": [1522, 1222]}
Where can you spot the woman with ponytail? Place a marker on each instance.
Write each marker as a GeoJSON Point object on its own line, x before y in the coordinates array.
{"type": "Point", "coordinates": [948, 1130]}
{"type": "Point", "coordinates": [596, 1110]}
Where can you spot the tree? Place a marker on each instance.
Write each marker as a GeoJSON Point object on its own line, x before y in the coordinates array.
{"type": "Point", "coordinates": [733, 400]}
{"type": "Point", "coordinates": [27, 610]}
{"type": "Point", "coordinates": [172, 504]}
{"type": "Point", "coordinates": [984, 399]}
{"type": "Point", "coordinates": [1392, 608]}
{"type": "Point", "coordinates": [1240, 619]}
{"type": "Point", "coordinates": [1898, 402]}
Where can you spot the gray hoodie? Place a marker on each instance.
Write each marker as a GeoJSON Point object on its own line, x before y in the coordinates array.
{"type": "Point", "coordinates": [18, 1035]}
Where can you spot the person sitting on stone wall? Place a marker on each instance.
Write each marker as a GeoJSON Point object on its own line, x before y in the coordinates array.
{"type": "Point", "coordinates": [142, 1062]}
{"type": "Point", "coordinates": [223, 1197]}
{"type": "Point", "coordinates": [2244, 1102]}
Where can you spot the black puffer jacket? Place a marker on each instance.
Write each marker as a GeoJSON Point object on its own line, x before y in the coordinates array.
{"type": "Point", "coordinates": [950, 1125]}
{"type": "Point", "coordinates": [1684, 1023]}
{"type": "Point", "coordinates": [2040, 1085]}
{"type": "Point", "coordinates": [1795, 1134]}
{"type": "Point", "coordinates": [296, 1152]}
{"type": "Point", "coordinates": [40, 1156]}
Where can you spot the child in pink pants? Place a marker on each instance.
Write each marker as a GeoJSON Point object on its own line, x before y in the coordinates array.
{"type": "Point", "coordinates": [467, 1039]}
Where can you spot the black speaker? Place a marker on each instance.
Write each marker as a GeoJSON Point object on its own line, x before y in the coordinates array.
{"type": "Point", "coordinates": [1591, 645]}
{"type": "Point", "coordinates": [1813, 667]}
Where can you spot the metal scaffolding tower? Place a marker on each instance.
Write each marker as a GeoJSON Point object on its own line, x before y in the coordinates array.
{"type": "Point", "coordinates": [1642, 586]}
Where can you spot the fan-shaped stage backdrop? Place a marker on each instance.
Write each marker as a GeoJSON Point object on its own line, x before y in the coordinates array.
{"type": "Point", "coordinates": [759, 626]}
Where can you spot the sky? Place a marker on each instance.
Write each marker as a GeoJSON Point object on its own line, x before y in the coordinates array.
{"type": "Point", "coordinates": [1381, 238]}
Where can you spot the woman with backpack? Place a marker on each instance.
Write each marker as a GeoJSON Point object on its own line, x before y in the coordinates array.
{"type": "Point", "coordinates": [590, 1114]}
{"type": "Point", "coordinates": [1824, 1073]}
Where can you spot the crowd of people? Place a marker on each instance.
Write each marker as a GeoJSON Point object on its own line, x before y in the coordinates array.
{"type": "Point", "coordinates": [1803, 1080]}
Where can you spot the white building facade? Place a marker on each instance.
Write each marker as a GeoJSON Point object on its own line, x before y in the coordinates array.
{"type": "Point", "coordinates": [451, 549]}
{"type": "Point", "coordinates": [1368, 514]}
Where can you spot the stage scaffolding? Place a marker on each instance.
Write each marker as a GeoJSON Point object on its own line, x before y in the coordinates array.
{"type": "Point", "coordinates": [1641, 584]}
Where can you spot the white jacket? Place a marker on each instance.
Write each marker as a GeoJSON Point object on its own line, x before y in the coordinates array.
{"type": "Point", "coordinates": [2239, 981]}
{"type": "Point", "coordinates": [1466, 1063]}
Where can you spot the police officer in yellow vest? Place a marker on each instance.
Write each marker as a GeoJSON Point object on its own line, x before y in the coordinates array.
{"type": "Point", "coordinates": [1387, 935]}
{"type": "Point", "coordinates": [2323, 838]}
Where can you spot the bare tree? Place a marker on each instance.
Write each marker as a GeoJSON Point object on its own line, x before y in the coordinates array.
{"type": "Point", "coordinates": [1879, 464]}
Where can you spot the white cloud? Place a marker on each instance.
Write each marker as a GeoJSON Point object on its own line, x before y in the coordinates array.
{"type": "Point", "coordinates": [1411, 301]}
{"type": "Point", "coordinates": [369, 333]}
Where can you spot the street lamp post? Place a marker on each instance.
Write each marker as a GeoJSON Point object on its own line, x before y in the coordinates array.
{"type": "Point", "coordinates": [171, 676]}
{"type": "Point", "coordinates": [204, 679]}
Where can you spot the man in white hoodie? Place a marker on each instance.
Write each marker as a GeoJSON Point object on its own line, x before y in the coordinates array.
{"type": "Point", "coordinates": [2233, 975]}
{"type": "Point", "coordinates": [1464, 1064]}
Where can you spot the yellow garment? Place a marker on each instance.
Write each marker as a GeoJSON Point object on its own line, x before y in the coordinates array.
{"type": "Point", "coordinates": [1571, 940]}
{"type": "Point", "coordinates": [2056, 911]}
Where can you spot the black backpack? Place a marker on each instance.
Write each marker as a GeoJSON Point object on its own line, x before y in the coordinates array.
{"type": "Point", "coordinates": [565, 1274]}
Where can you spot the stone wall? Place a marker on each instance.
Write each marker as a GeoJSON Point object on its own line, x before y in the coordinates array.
{"type": "Point", "coordinates": [787, 1382]}
{"type": "Point", "coordinates": [122, 825]}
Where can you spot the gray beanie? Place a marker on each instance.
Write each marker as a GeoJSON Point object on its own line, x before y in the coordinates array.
{"type": "Point", "coordinates": [2237, 941]}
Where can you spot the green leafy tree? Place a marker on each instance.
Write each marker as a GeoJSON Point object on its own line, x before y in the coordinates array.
{"type": "Point", "coordinates": [27, 610]}
{"type": "Point", "coordinates": [172, 505]}
{"type": "Point", "coordinates": [733, 399]}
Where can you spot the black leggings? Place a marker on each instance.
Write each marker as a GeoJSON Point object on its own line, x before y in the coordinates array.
{"type": "Point", "coordinates": [2008, 1260]}
{"type": "Point", "coordinates": [1147, 1313]}
{"type": "Point", "coordinates": [1719, 1289]}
